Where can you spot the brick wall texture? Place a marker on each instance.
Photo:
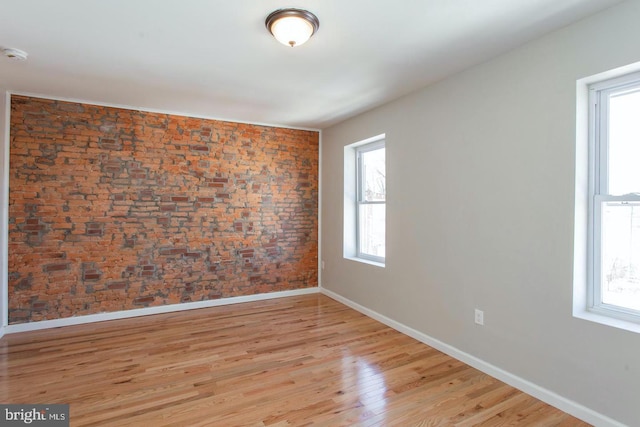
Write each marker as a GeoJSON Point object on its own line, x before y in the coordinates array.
{"type": "Point", "coordinates": [113, 209]}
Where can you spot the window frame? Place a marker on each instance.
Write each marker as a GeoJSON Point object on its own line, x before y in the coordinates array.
{"type": "Point", "coordinates": [360, 200]}
{"type": "Point", "coordinates": [598, 194]}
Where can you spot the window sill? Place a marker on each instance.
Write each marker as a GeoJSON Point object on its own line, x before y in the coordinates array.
{"type": "Point", "coordinates": [366, 261]}
{"type": "Point", "coordinates": [607, 320]}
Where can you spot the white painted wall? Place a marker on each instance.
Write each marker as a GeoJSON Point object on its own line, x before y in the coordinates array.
{"type": "Point", "coordinates": [480, 179]}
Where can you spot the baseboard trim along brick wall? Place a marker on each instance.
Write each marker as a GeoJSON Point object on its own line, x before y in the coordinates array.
{"type": "Point", "coordinates": [161, 309]}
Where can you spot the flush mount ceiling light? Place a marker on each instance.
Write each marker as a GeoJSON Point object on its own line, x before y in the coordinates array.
{"type": "Point", "coordinates": [292, 27]}
{"type": "Point", "coordinates": [15, 54]}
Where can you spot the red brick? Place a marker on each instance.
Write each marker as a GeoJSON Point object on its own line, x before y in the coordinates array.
{"type": "Point", "coordinates": [117, 285]}
{"type": "Point", "coordinates": [143, 300]}
{"type": "Point", "coordinates": [56, 267]}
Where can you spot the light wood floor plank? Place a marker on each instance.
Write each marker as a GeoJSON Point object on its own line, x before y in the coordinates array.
{"type": "Point", "coordinates": [300, 361]}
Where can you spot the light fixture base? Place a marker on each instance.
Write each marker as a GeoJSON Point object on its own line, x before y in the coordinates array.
{"type": "Point", "coordinates": [15, 54]}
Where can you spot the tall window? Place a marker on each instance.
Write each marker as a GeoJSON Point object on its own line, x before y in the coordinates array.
{"type": "Point", "coordinates": [614, 255]}
{"type": "Point", "coordinates": [371, 201]}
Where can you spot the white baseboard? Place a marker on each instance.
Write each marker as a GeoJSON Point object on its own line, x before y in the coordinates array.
{"type": "Point", "coordinates": [579, 411]}
{"type": "Point", "coordinates": [101, 317]}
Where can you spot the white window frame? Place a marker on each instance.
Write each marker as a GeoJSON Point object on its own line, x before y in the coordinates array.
{"type": "Point", "coordinates": [350, 202]}
{"type": "Point", "coordinates": [598, 194]}
{"type": "Point", "coordinates": [360, 200]}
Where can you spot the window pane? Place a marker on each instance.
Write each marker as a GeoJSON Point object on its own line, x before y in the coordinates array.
{"type": "Point", "coordinates": [624, 143]}
{"type": "Point", "coordinates": [372, 229]}
{"type": "Point", "coordinates": [373, 175]}
{"type": "Point", "coordinates": [621, 255]}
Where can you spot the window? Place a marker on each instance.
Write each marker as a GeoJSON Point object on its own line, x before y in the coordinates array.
{"type": "Point", "coordinates": [614, 198]}
{"type": "Point", "coordinates": [371, 201]}
{"type": "Point", "coordinates": [365, 196]}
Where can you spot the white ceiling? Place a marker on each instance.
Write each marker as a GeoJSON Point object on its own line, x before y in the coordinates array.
{"type": "Point", "coordinates": [214, 58]}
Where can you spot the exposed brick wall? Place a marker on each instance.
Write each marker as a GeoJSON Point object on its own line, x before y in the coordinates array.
{"type": "Point", "coordinates": [113, 209]}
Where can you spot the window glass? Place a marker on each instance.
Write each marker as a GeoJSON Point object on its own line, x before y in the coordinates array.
{"type": "Point", "coordinates": [372, 229]}
{"type": "Point", "coordinates": [620, 259]}
{"type": "Point", "coordinates": [373, 175]}
{"type": "Point", "coordinates": [624, 143]}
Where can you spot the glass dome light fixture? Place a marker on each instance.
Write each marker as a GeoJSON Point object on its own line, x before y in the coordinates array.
{"type": "Point", "coordinates": [292, 27]}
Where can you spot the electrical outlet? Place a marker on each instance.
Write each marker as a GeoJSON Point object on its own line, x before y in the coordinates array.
{"type": "Point", "coordinates": [479, 317]}
{"type": "Point", "coordinates": [323, 264]}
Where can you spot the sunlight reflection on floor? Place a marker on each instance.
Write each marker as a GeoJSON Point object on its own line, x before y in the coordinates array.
{"type": "Point", "coordinates": [366, 378]}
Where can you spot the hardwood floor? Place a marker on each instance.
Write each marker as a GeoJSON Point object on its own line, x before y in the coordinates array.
{"type": "Point", "coordinates": [297, 361]}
